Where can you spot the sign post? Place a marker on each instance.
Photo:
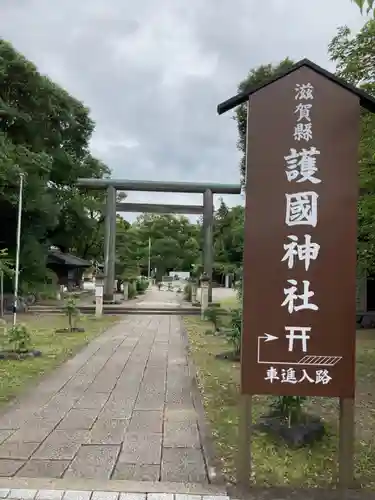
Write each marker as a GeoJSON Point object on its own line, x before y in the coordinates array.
{"type": "Point", "coordinates": [299, 296]}
{"type": "Point", "coordinates": [205, 280]}
{"type": "Point", "coordinates": [126, 290]}
{"type": "Point", "coordinates": [99, 288]}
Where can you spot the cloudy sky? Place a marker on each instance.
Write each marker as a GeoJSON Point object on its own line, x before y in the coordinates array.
{"type": "Point", "coordinates": [153, 71]}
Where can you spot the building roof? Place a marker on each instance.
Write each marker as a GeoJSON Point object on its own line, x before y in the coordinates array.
{"type": "Point", "coordinates": [365, 99]}
{"type": "Point", "coordinates": [66, 259]}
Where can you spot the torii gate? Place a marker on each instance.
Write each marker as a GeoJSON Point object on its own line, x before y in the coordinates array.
{"type": "Point", "coordinates": [111, 206]}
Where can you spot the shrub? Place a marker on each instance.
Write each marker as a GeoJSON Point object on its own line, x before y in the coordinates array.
{"type": "Point", "coordinates": [289, 408]}
{"type": "Point", "coordinates": [132, 291]}
{"type": "Point", "coordinates": [141, 285]}
{"type": "Point", "coordinates": [233, 334]}
{"type": "Point", "coordinates": [72, 311]}
{"type": "Point", "coordinates": [19, 338]}
{"type": "Point", "coordinates": [43, 290]}
{"type": "Point", "coordinates": [212, 314]}
{"type": "Point", "coordinates": [239, 290]}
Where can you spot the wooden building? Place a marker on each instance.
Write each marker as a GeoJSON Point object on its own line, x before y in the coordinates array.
{"type": "Point", "coordinates": [68, 268]}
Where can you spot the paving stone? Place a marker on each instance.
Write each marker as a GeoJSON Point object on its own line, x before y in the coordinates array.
{"type": "Point", "coordinates": [176, 414]}
{"type": "Point", "coordinates": [13, 419]}
{"type": "Point", "coordinates": [9, 467]}
{"type": "Point", "coordinates": [181, 435]}
{"type": "Point", "coordinates": [21, 494]}
{"type": "Point", "coordinates": [4, 492]}
{"type": "Point", "coordinates": [17, 450]}
{"type": "Point", "coordinates": [79, 419]}
{"type": "Point", "coordinates": [183, 465]}
{"type": "Point", "coordinates": [146, 421]}
{"type": "Point", "coordinates": [187, 497]}
{"type": "Point", "coordinates": [77, 495]}
{"type": "Point", "coordinates": [108, 431]}
{"type": "Point", "coordinates": [62, 445]}
{"type": "Point", "coordinates": [179, 399]}
{"type": "Point", "coordinates": [46, 417]}
{"type": "Point", "coordinates": [92, 400]}
{"type": "Point", "coordinates": [94, 461]}
{"type": "Point", "coordinates": [150, 402]}
{"type": "Point", "coordinates": [105, 495]}
{"type": "Point", "coordinates": [43, 468]}
{"type": "Point", "coordinates": [103, 385]}
{"type": "Point", "coordinates": [5, 434]}
{"type": "Point", "coordinates": [63, 401]}
{"type": "Point", "coordinates": [129, 381]}
{"type": "Point", "coordinates": [139, 448]}
{"type": "Point", "coordinates": [133, 496]}
{"type": "Point", "coordinates": [30, 434]}
{"type": "Point", "coordinates": [160, 496]}
{"type": "Point", "coordinates": [49, 495]}
{"type": "Point", "coordinates": [215, 497]}
{"type": "Point", "coordinates": [136, 472]}
{"type": "Point", "coordinates": [118, 408]}
{"type": "Point", "coordinates": [155, 375]}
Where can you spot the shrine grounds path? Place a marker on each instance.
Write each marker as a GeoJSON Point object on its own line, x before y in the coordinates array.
{"type": "Point", "coordinates": [121, 409]}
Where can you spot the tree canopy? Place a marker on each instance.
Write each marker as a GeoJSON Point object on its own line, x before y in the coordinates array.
{"type": "Point", "coordinates": [355, 62]}
{"type": "Point", "coordinates": [44, 133]}
{"type": "Point", "coordinates": [228, 239]}
{"type": "Point", "coordinates": [354, 57]}
{"type": "Point", "coordinates": [176, 243]}
{"type": "Point", "coordinates": [256, 76]}
{"type": "Point", "coordinates": [366, 6]}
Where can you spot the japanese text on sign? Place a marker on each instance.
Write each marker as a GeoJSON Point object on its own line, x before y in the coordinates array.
{"type": "Point", "coordinates": [301, 209]}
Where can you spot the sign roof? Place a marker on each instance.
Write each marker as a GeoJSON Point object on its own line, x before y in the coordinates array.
{"type": "Point", "coordinates": [365, 99]}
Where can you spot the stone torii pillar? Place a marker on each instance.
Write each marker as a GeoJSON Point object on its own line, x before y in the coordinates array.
{"type": "Point", "coordinates": [111, 185]}
{"type": "Point", "coordinates": [109, 244]}
{"type": "Point", "coordinates": [208, 251]}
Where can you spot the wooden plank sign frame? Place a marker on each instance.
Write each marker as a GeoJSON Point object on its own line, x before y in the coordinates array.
{"type": "Point", "coordinates": [299, 288]}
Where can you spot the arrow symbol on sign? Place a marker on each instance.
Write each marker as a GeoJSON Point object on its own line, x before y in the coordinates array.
{"type": "Point", "coordinates": [267, 337]}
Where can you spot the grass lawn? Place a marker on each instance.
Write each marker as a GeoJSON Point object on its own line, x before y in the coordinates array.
{"type": "Point", "coordinates": [16, 376]}
{"type": "Point", "coordinates": [274, 463]}
{"type": "Point", "coordinates": [230, 302]}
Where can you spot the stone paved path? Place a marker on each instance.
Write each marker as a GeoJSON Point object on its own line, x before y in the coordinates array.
{"type": "Point", "coordinates": [120, 409]}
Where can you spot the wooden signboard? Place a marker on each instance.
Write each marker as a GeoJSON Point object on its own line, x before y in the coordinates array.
{"type": "Point", "coordinates": [300, 238]}
{"type": "Point", "coordinates": [299, 297]}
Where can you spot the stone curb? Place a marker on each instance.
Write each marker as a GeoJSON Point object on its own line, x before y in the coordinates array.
{"type": "Point", "coordinates": [215, 475]}
{"type": "Point", "coordinates": [27, 494]}
{"type": "Point", "coordinates": [110, 485]}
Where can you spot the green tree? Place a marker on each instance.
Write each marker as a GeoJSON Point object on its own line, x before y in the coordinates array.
{"type": "Point", "coordinates": [228, 239]}
{"type": "Point", "coordinates": [128, 250]}
{"type": "Point", "coordinates": [174, 243]}
{"type": "Point", "coordinates": [45, 133]}
{"type": "Point", "coordinates": [355, 60]}
{"type": "Point", "coordinates": [366, 6]}
{"type": "Point", "coordinates": [256, 76]}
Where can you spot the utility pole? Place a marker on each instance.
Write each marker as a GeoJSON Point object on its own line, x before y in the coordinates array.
{"type": "Point", "coordinates": [149, 258]}
{"type": "Point", "coordinates": [18, 248]}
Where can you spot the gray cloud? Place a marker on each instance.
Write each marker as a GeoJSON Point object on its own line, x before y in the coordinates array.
{"type": "Point", "coordinates": [153, 72]}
